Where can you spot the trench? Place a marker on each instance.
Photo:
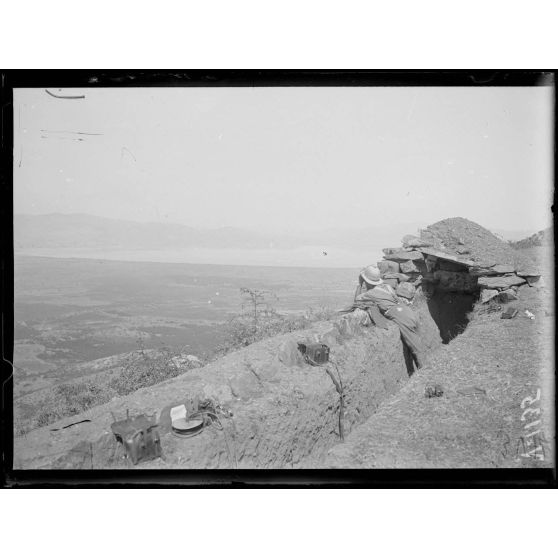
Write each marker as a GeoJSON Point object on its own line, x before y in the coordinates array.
{"type": "Point", "coordinates": [265, 434]}
{"type": "Point", "coordinates": [450, 311]}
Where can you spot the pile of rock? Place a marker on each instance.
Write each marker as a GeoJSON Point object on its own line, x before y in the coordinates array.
{"type": "Point", "coordinates": [402, 268]}
{"type": "Point", "coordinates": [435, 267]}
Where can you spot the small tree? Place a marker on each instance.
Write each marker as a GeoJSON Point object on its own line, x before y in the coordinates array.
{"type": "Point", "coordinates": [260, 320]}
{"type": "Point", "coordinates": [258, 305]}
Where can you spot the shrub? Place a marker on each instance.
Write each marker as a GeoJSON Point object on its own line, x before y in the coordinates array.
{"type": "Point", "coordinates": [144, 369]}
{"type": "Point", "coordinates": [141, 369]}
{"type": "Point", "coordinates": [72, 399]}
{"type": "Point", "coordinates": [259, 320]}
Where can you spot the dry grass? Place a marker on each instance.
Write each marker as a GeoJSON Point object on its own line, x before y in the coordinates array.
{"type": "Point", "coordinates": [242, 330]}
{"type": "Point", "coordinates": [142, 368]}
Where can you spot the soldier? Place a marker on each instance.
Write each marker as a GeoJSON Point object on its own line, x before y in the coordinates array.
{"type": "Point", "coordinates": [372, 291]}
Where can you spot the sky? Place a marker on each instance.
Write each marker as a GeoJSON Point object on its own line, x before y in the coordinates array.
{"type": "Point", "coordinates": [288, 159]}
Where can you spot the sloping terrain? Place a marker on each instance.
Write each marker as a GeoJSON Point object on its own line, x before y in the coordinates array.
{"type": "Point", "coordinates": [494, 378]}
{"type": "Point", "coordinates": [481, 420]}
{"type": "Point", "coordinates": [283, 409]}
{"type": "Point", "coordinates": [541, 238]}
{"type": "Point", "coordinates": [463, 237]}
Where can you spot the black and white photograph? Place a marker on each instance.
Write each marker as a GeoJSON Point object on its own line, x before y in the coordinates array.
{"type": "Point", "coordinates": [283, 274]}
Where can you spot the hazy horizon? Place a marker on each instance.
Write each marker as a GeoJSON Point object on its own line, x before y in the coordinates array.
{"type": "Point", "coordinates": [87, 236]}
{"type": "Point", "coordinates": [263, 228]}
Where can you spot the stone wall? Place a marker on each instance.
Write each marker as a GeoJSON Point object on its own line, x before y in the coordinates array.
{"type": "Point", "coordinates": [418, 263]}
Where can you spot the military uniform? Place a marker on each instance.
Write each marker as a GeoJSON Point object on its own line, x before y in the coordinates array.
{"type": "Point", "coordinates": [384, 297]}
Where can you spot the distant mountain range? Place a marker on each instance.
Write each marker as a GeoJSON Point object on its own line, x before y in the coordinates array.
{"type": "Point", "coordinates": [73, 233]}
{"type": "Point", "coordinates": [82, 231]}
{"type": "Point", "coordinates": [87, 231]}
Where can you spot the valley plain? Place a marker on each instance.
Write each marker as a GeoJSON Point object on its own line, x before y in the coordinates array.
{"type": "Point", "coordinates": [71, 311]}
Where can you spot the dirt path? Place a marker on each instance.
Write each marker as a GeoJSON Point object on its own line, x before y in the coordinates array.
{"type": "Point", "coordinates": [495, 374]}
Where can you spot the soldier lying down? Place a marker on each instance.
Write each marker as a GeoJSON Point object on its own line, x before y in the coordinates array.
{"type": "Point", "coordinates": [374, 295]}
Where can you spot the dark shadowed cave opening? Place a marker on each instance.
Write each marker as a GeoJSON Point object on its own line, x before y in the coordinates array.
{"type": "Point", "coordinates": [450, 310]}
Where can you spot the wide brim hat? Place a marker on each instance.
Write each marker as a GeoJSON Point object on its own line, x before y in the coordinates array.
{"type": "Point", "coordinates": [371, 275]}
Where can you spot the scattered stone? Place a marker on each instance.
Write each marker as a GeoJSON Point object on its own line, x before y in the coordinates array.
{"type": "Point", "coordinates": [510, 313]}
{"type": "Point", "coordinates": [488, 294]}
{"type": "Point", "coordinates": [530, 315]}
{"type": "Point", "coordinates": [401, 277]}
{"type": "Point", "coordinates": [406, 290]}
{"type": "Point", "coordinates": [289, 354]}
{"type": "Point", "coordinates": [387, 266]}
{"type": "Point", "coordinates": [507, 296]}
{"type": "Point", "coordinates": [403, 256]}
{"type": "Point", "coordinates": [433, 391]}
{"type": "Point", "coordinates": [502, 282]}
{"type": "Point", "coordinates": [532, 279]}
{"type": "Point", "coordinates": [462, 251]}
{"type": "Point", "coordinates": [471, 390]}
{"type": "Point", "coordinates": [408, 267]}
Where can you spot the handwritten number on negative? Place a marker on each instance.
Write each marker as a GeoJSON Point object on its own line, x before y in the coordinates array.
{"type": "Point", "coordinates": [533, 411]}
{"type": "Point", "coordinates": [530, 400]}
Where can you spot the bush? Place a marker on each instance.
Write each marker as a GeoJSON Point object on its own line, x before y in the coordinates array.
{"type": "Point", "coordinates": [261, 321]}
{"type": "Point", "coordinates": [142, 368]}
{"type": "Point", "coordinates": [146, 369]}
{"type": "Point", "coordinates": [72, 399]}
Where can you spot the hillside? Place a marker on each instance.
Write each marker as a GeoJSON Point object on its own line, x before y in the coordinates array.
{"type": "Point", "coordinates": [541, 238]}
{"type": "Point", "coordinates": [286, 413]}
{"type": "Point", "coordinates": [488, 375]}
{"type": "Point", "coordinates": [462, 237]}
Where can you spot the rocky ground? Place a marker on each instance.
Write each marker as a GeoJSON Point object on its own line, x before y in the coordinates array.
{"type": "Point", "coordinates": [497, 380]}
{"type": "Point", "coordinates": [472, 241]}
